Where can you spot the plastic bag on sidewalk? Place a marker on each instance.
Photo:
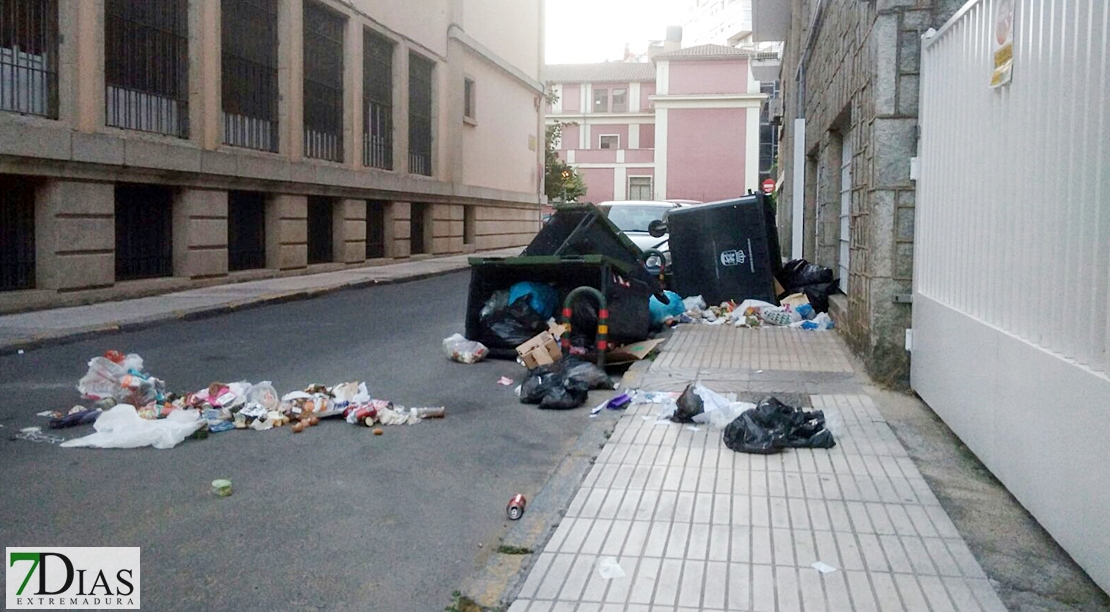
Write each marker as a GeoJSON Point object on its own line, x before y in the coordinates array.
{"type": "Point", "coordinates": [772, 426]}
{"type": "Point", "coordinates": [122, 427]}
{"type": "Point", "coordinates": [458, 348]}
{"type": "Point", "coordinates": [562, 385]}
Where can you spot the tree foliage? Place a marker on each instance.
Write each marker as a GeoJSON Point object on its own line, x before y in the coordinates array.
{"type": "Point", "coordinates": [561, 181]}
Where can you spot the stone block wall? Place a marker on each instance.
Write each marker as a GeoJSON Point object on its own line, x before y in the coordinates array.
{"type": "Point", "coordinates": [861, 82]}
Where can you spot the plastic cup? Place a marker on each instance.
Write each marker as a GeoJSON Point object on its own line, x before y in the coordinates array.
{"type": "Point", "coordinates": [221, 488]}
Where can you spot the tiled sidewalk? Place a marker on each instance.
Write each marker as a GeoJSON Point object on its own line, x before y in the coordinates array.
{"type": "Point", "coordinates": [696, 526]}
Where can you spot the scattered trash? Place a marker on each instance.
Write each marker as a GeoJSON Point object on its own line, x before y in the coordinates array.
{"type": "Point", "coordinates": [630, 353]}
{"type": "Point", "coordinates": [458, 348]}
{"type": "Point", "coordinates": [505, 381]}
{"type": "Point", "coordinates": [77, 416]}
{"type": "Point", "coordinates": [515, 509]}
{"type": "Point", "coordinates": [30, 430]}
{"type": "Point", "coordinates": [598, 408]}
{"type": "Point", "coordinates": [511, 324]}
{"type": "Point", "coordinates": [52, 414]}
{"type": "Point", "coordinates": [824, 568]}
{"type": "Point", "coordinates": [619, 402]}
{"type": "Point", "coordinates": [221, 487]}
{"type": "Point", "coordinates": [378, 431]}
{"type": "Point", "coordinates": [38, 436]}
{"type": "Point", "coordinates": [19, 352]}
{"type": "Point", "coordinates": [660, 312]}
{"type": "Point", "coordinates": [122, 427]}
{"type": "Point", "coordinates": [541, 297]}
{"type": "Point", "coordinates": [693, 428]}
{"type": "Point", "coordinates": [609, 568]}
{"type": "Point", "coordinates": [815, 282]}
{"type": "Point", "coordinates": [772, 426]}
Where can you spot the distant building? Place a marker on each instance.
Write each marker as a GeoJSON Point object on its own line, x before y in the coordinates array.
{"type": "Point", "coordinates": [683, 126]}
{"type": "Point", "coordinates": [148, 146]}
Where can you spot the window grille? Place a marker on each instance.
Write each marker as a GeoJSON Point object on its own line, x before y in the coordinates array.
{"type": "Point", "coordinates": [250, 73]}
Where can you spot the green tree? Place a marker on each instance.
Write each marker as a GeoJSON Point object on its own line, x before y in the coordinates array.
{"type": "Point", "coordinates": [561, 181]}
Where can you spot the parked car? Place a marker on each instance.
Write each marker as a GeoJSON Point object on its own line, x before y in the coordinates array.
{"type": "Point", "coordinates": [633, 217]}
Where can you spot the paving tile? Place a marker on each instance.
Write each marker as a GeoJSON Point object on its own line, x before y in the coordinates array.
{"type": "Point", "coordinates": [813, 593]}
{"type": "Point", "coordinates": [670, 580]}
{"type": "Point", "coordinates": [621, 588]}
{"type": "Point", "coordinates": [676, 544]}
{"type": "Point", "coordinates": [787, 591]}
{"type": "Point", "coordinates": [553, 581]}
{"type": "Point", "coordinates": [782, 546]}
{"type": "Point", "coordinates": [886, 593]}
{"type": "Point", "coordinates": [763, 588]}
{"type": "Point", "coordinates": [739, 586]}
{"type": "Point", "coordinates": [596, 537]}
{"type": "Point", "coordinates": [693, 584]}
{"type": "Point", "coordinates": [614, 542]}
{"type": "Point", "coordinates": [863, 599]}
{"type": "Point", "coordinates": [643, 586]}
{"type": "Point", "coordinates": [698, 546]}
{"type": "Point", "coordinates": [684, 507]}
{"type": "Point", "coordinates": [536, 574]}
{"type": "Point", "coordinates": [577, 577]}
{"type": "Point", "coordinates": [636, 538]}
{"type": "Point", "coordinates": [912, 597]}
{"type": "Point", "coordinates": [935, 593]}
{"type": "Point", "coordinates": [657, 538]}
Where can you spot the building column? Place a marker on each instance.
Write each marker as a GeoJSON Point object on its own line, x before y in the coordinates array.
{"type": "Point", "coordinates": [349, 231]}
{"type": "Point", "coordinates": [205, 78]}
{"type": "Point", "coordinates": [441, 229]}
{"type": "Point", "coordinates": [352, 91]}
{"type": "Point", "coordinates": [454, 95]}
{"type": "Point", "coordinates": [84, 22]}
{"type": "Point", "coordinates": [287, 232]}
{"type": "Point", "coordinates": [200, 233]}
{"type": "Point", "coordinates": [291, 78]}
{"type": "Point", "coordinates": [398, 226]}
{"type": "Point", "coordinates": [75, 235]}
{"type": "Point", "coordinates": [401, 113]}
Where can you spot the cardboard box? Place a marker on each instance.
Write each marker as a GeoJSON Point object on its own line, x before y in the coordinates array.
{"type": "Point", "coordinates": [543, 349]}
{"type": "Point", "coordinates": [632, 352]}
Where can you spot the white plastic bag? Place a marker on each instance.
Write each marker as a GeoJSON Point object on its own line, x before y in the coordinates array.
{"type": "Point", "coordinates": [458, 348]}
{"type": "Point", "coordinates": [102, 380]}
{"type": "Point", "coordinates": [265, 395]}
{"type": "Point", "coordinates": [757, 305]}
{"type": "Point", "coordinates": [717, 410]}
{"type": "Point", "coordinates": [122, 427]}
{"type": "Point", "coordinates": [695, 303]}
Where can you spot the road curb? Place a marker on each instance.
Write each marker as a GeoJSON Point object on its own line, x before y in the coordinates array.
{"type": "Point", "coordinates": [38, 341]}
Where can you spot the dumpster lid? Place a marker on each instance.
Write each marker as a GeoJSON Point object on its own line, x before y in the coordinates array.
{"type": "Point", "coordinates": [701, 208]}
{"type": "Point", "coordinates": [582, 229]}
{"type": "Point", "coordinates": [549, 260]}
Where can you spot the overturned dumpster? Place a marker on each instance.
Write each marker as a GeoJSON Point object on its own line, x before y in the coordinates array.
{"type": "Point", "coordinates": [727, 250]}
{"type": "Point", "coordinates": [578, 247]}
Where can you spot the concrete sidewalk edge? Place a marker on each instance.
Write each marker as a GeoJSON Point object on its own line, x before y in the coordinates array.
{"type": "Point", "coordinates": [76, 334]}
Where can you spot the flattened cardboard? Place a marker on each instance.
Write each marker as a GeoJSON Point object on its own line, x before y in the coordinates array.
{"type": "Point", "coordinates": [632, 352]}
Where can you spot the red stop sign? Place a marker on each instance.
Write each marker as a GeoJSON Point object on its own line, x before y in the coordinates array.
{"type": "Point", "coordinates": [768, 186]}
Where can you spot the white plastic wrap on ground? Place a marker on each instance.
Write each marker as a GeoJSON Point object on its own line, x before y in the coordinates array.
{"type": "Point", "coordinates": [122, 427]}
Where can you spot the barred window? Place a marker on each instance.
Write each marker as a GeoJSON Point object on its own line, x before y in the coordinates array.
{"type": "Point", "coordinates": [146, 65]}
{"type": "Point", "coordinates": [29, 57]}
{"type": "Point", "coordinates": [420, 114]}
{"type": "Point", "coordinates": [323, 83]}
{"type": "Point", "coordinates": [250, 77]}
{"type": "Point", "coordinates": [377, 103]}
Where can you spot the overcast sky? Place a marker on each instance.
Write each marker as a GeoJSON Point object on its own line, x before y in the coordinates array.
{"type": "Point", "coordinates": [581, 31]}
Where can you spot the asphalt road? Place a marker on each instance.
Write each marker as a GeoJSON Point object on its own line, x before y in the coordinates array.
{"type": "Point", "coordinates": [331, 519]}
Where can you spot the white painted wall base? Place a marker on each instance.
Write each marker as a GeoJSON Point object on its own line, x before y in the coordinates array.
{"type": "Point", "coordinates": [798, 206]}
{"type": "Point", "coordinates": [1036, 420]}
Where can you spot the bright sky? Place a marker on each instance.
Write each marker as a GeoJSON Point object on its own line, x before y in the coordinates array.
{"type": "Point", "coordinates": [584, 31]}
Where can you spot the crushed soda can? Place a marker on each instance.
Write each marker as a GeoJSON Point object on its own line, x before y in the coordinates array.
{"type": "Point", "coordinates": [516, 506]}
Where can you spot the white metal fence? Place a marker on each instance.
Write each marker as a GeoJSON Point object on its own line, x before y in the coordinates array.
{"type": "Point", "coordinates": [1012, 260]}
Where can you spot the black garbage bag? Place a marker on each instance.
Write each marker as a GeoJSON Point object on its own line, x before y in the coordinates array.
{"type": "Point", "coordinates": [583, 324]}
{"type": "Point", "coordinates": [690, 405]}
{"type": "Point", "coordinates": [564, 384]}
{"type": "Point", "coordinates": [818, 294]}
{"type": "Point", "coordinates": [578, 369]}
{"type": "Point", "coordinates": [512, 326]}
{"type": "Point", "coordinates": [772, 426]}
{"type": "Point", "coordinates": [797, 273]}
{"type": "Point", "coordinates": [541, 380]}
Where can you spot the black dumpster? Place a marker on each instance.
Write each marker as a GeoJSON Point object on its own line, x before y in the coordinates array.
{"type": "Point", "coordinates": [627, 297]}
{"type": "Point", "coordinates": [727, 250]}
{"type": "Point", "coordinates": [578, 246]}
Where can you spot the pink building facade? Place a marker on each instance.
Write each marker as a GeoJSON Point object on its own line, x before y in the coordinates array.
{"type": "Point", "coordinates": [683, 126]}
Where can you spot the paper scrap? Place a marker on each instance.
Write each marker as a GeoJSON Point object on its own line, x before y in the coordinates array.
{"type": "Point", "coordinates": [608, 568]}
{"type": "Point", "coordinates": [598, 408]}
{"type": "Point", "coordinates": [662, 422]}
{"type": "Point", "coordinates": [646, 417]}
{"type": "Point", "coordinates": [31, 429]}
{"type": "Point", "coordinates": [824, 568]}
{"type": "Point", "coordinates": [759, 371]}
{"type": "Point", "coordinates": [692, 428]}
{"type": "Point", "coordinates": [19, 352]}
{"type": "Point", "coordinates": [46, 413]}
{"type": "Point", "coordinates": [505, 381]}
{"type": "Point", "coordinates": [517, 390]}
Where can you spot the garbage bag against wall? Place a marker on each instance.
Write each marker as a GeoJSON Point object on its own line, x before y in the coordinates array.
{"type": "Point", "coordinates": [660, 311]}
{"type": "Point", "coordinates": [541, 297]}
{"type": "Point", "coordinates": [513, 326]}
{"type": "Point", "coordinates": [772, 426]}
{"type": "Point", "coordinates": [818, 294]}
{"type": "Point", "coordinates": [798, 273]}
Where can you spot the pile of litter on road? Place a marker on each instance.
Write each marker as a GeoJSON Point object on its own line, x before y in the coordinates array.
{"type": "Point", "coordinates": [131, 408]}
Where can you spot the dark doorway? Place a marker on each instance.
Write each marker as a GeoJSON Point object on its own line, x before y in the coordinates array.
{"type": "Point", "coordinates": [319, 230]}
{"type": "Point", "coordinates": [246, 230]}
{"type": "Point", "coordinates": [17, 233]}
{"type": "Point", "coordinates": [375, 229]}
{"type": "Point", "coordinates": [417, 244]}
{"type": "Point", "coordinates": [144, 231]}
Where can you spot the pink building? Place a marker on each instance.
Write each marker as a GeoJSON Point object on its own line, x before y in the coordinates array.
{"type": "Point", "coordinates": [683, 126]}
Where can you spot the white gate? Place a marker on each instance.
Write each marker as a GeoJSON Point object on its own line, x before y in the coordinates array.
{"type": "Point", "coordinates": [1012, 257]}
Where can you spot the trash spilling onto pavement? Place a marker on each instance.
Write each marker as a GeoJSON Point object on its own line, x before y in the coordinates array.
{"type": "Point", "coordinates": [458, 348]}
{"type": "Point", "coordinates": [764, 428]}
{"type": "Point", "coordinates": [564, 384]}
{"type": "Point", "coordinates": [131, 408]}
